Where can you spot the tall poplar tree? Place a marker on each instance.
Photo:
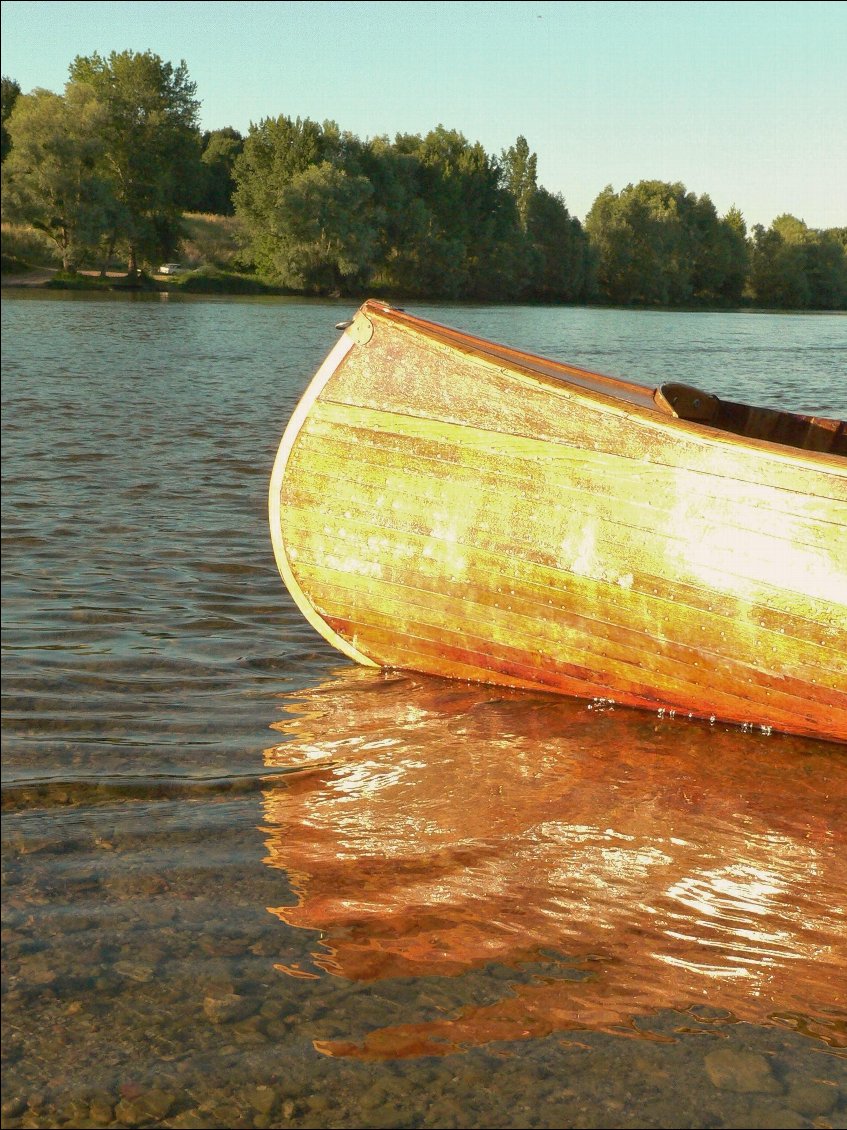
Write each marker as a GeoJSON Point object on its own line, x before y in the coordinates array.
{"type": "Point", "coordinates": [520, 176]}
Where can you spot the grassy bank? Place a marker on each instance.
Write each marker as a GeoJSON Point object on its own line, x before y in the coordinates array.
{"type": "Point", "coordinates": [213, 254]}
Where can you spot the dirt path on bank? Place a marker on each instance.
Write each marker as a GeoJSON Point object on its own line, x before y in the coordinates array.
{"type": "Point", "coordinates": [41, 275]}
{"type": "Point", "coordinates": [31, 278]}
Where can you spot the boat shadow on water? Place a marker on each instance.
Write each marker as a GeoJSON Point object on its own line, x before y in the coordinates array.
{"type": "Point", "coordinates": [612, 863]}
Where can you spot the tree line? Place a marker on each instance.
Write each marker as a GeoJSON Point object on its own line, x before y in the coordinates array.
{"type": "Point", "coordinates": [109, 167]}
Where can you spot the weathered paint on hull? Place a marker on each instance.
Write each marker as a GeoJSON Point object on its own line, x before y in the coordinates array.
{"type": "Point", "coordinates": [441, 508]}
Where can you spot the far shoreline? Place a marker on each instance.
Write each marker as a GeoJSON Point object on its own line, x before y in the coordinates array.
{"type": "Point", "coordinates": [211, 282]}
{"type": "Point", "coordinates": [223, 285]}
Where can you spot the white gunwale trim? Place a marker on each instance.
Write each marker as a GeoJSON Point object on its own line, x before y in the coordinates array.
{"type": "Point", "coordinates": [319, 381]}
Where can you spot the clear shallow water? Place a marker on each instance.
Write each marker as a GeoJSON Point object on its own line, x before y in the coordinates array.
{"type": "Point", "coordinates": [248, 884]}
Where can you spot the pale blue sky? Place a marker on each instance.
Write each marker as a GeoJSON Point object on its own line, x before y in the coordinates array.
{"type": "Point", "coordinates": [744, 101]}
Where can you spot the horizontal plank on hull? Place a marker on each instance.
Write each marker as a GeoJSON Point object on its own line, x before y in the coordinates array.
{"type": "Point", "coordinates": [680, 672]}
{"type": "Point", "coordinates": [609, 488]}
{"type": "Point", "coordinates": [421, 378]}
{"type": "Point", "coordinates": [447, 450]}
{"type": "Point", "coordinates": [433, 656]}
{"type": "Point", "coordinates": [549, 614]}
{"type": "Point", "coordinates": [643, 599]}
{"type": "Point", "coordinates": [574, 541]}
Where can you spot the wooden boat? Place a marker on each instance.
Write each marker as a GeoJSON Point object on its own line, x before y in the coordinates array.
{"type": "Point", "coordinates": [448, 505]}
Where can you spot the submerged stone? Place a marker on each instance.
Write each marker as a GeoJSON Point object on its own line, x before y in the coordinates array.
{"type": "Point", "coordinates": [742, 1072]}
{"type": "Point", "coordinates": [228, 1008]}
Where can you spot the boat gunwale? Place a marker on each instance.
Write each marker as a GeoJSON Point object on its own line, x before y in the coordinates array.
{"type": "Point", "coordinates": [627, 398]}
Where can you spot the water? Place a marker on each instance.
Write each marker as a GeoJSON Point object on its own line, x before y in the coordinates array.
{"type": "Point", "coordinates": [246, 883]}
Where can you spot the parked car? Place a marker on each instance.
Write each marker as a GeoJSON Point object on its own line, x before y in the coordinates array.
{"type": "Point", "coordinates": [170, 269]}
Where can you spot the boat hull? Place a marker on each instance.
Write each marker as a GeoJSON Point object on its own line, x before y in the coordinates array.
{"type": "Point", "coordinates": [471, 512]}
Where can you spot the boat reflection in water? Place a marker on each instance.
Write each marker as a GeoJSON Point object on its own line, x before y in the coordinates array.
{"type": "Point", "coordinates": [619, 863]}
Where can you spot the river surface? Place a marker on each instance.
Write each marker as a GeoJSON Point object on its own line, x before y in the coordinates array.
{"type": "Point", "coordinates": [249, 884]}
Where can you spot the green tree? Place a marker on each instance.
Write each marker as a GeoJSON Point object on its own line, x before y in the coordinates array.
{"type": "Point", "coordinates": [430, 253]}
{"type": "Point", "coordinates": [621, 230]}
{"type": "Point", "coordinates": [520, 175]}
{"type": "Point", "coordinates": [327, 239]}
{"type": "Point", "coordinates": [52, 178]}
{"type": "Point", "coordinates": [474, 238]}
{"type": "Point", "coordinates": [778, 264]}
{"type": "Point", "coordinates": [735, 249]}
{"type": "Point", "coordinates": [794, 266]}
{"type": "Point", "coordinates": [562, 263]}
{"type": "Point", "coordinates": [406, 229]}
{"type": "Point", "coordinates": [151, 146]}
{"type": "Point", "coordinates": [221, 149]}
{"type": "Point", "coordinates": [307, 205]}
{"type": "Point", "coordinates": [10, 91]}
{"type": "Point", "coordinates": [826, 271]}
{"type": "Point", "coordinates": [557, 264]}
{"type": "Point", "coordinates": [657, 243]}
{"type": "Point", "coordinates": [275, 151]}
